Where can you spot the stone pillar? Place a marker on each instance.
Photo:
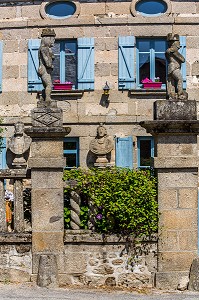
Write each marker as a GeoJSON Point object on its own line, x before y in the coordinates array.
{"type": "Point", "coordinates": [175, 129]}
{"type": "Point", "coordinates": [46, 165]}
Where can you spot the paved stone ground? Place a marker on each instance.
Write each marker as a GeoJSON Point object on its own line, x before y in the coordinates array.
{"type": "Point", "coordinates": [32, 292]}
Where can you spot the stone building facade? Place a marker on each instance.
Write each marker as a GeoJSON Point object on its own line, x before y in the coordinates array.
{"type": "Point", "coordinates": [121, 43]}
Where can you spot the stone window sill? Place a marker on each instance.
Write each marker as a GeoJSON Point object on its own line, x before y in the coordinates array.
{"type": "Point", "coordinates": [147, 92]}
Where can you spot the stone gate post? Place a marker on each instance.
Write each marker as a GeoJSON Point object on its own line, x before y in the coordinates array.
{"type": "Point", "coordinates": [46, 163]}
{"type": "Point", "coordinates": [175, 129]}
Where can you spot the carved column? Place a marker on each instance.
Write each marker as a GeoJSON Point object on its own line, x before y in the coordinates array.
{"type": "Point", "coordinates": [46, 165]}
{"type": "Point", "coordinates": [18, 206]}
{"type": "Point", "coordinates": [3, 225]}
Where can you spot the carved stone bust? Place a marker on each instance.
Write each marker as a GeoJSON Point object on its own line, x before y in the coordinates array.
{"type": "Point", "coordinates": [102, 144]}
{"type": "Point", "coordinates": [18, 144]}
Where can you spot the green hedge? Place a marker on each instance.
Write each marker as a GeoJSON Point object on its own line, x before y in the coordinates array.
{"type": "Point", "coordinates": [124, 200]}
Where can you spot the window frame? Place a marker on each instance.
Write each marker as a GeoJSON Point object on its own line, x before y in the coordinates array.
{"type": "Point", "coordinates": [152, 53]}
{"type": "Point", "coordinates": [74, 151]}
{"type": "Point", "coordinates": [144, 138]}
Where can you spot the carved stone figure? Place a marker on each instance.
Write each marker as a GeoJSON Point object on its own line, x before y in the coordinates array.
{"type": "Point", "coordinates": [18, 144]}
{"type": "Point", "coordinates": [46, 61]}
{"type": "Point", "coordinates": [101, 145]}
{"type": "Point", "coordinates": [175, 60]}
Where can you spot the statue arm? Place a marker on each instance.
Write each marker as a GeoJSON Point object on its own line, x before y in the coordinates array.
{"type": "Point", "coordinates": [46, 57]}
{"type": "Point", "coordinates": [179, 56]}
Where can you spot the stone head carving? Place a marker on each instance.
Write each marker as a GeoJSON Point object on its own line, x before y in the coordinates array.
{"type": "Point", "coordinates": [46, 61]}
{"type": "Point", "coordinates": [102, 144]}
{"type": "Point", "coordinates": [18, 144]}
{"type": "Point", "coordinates": [175, 60]}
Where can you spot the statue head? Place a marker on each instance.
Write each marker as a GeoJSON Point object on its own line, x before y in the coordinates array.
{"type": "Point", "coordinates": [19, 128]}
{"type": "Point", "coordinates": [48, 37]}
{"type": "Point", "coordinates": [173, 39]}
{"type": "Point", "coordinates": [101, 131]}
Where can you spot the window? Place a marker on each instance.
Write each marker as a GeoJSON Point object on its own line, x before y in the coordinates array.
{"type": "Point", "coordinates": [71, 152]}
{"type": "Point", "coordinates": [144, 57]}
{"type": "Point", "coordinates": [74, 61]}
{"type": "Point", "coordinates": [124, 152]}
{"type": "Point", "coordinates": [151, 7]}
{"type": "Point", "coordinates": [151, 60]}
{"type": "Point", "coordinates": [60, 9]}
{"type": "Point", "coordinates": [65, 62]}
{"type": "Point", "coordinates": [145, 151]}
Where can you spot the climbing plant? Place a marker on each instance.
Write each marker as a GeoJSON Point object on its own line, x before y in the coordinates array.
{"type": "Point", "coordinates": [122, 200]}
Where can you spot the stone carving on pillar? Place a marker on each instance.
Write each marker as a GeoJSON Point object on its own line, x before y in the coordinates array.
{"type": "Point", "coordinates": [46, 58]}
{"type": "Point", "coordinates": [101, 145]}
{"type": "Point", "coordinates": [75, 201]}
{"type": "Point", "coordinates": [174, 77]}
{"type": "Point", "coordinates": [19, 144]}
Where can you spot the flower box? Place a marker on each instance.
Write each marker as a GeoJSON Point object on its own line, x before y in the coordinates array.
{"type": "Point", "coordinates": [152, 85]}
{"type": "Point", "coordinates": [62, 86]}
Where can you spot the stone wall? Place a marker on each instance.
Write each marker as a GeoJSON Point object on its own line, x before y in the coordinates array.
{"type": "Point", "coordinates": [94, 260]}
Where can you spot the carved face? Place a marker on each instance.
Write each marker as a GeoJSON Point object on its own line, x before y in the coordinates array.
{"type": "Point", "coordinates": [19, 128]}
{"type": "Point", "coordinates": [101, 131]}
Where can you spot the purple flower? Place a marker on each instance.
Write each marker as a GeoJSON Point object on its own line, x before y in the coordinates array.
{"type": "Point", "coordinates": [99, 216]}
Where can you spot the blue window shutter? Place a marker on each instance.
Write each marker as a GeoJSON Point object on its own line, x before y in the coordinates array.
{"type": "Point", "coordinates": [3, 154]}
{"type": "Point", "coordinates": [183, 52]}
{"type": "Point", "coordinates": [86, 63]}
{"type": "Point", "coordinates": [1, 64]}
{"type": "Point", "coordinates": [126, 62]}
{"type": "Point", "coordinates": [34, 81]}
{"type": "Point", "coordinates": [124, 152]}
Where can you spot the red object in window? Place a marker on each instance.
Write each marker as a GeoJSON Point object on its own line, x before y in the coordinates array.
{"type": "Point", "coordinates": [152, 85]}
{"type": "Point", "coordinates": [62, 86]}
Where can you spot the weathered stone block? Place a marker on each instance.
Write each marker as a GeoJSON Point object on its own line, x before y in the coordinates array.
{"type": "Point", "coordinates": [179, 219]}
{"type": "Point", "coordinates": [102, 69]}
{"type": "Point", "coordinates": [45, 179]}
{"type": "Point", "coordinates": [47, 272]}
{"type": "Point", "coordinates": [188, 198]}
{"type": "Point", "coordinates": [169, 280]}
{"type": "Point", "coordinates": [175, 261]}
{"type": "Point", "coordinates": [47, 148]}
{"type": "Point", "coordinates": [169, 240]}
{"type": "Point", "coordinates": [175, 110]}
{"type": "Point", "coordinates": [168, 198]}
{"type": "Point", "coordinates": [75, 263]}
{"type": "Point", "coordinates": [194, 276]}
{"type": "Point", "coordinates": [188, 240]}
{"type": "Point", "coordinates": [181, 178]}
{"type": "Point", "coordinates": [42, 242]}
{"type": "Point", "coordinates": [195, 68]}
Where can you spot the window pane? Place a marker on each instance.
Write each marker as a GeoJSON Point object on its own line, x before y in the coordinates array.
{"type": "Point", "coordinates": [143, 45]}
{"type": "Point", "coordinates": [145, 153]}
{"type": "Point", "coordinates": [71, 69]}
{"type": "Point", "coordinates": [70, 160]}
{"type": "Point", "coordinates": [144, 66]}
{"type": "Point", "coordinates": [71, 61]}
{"type": "Point", "coordinates": [160, 67]}
{"type": "Point", "coordinates": [160, 45]}
{"type": "Point", "coordinates": [151, 7]}
{"type": "Point", "coordinates": [70, 145]}
{"type": "Point", "coordinates": [60, 9]}
{"type": "Point", "coordinates": [56, 62]}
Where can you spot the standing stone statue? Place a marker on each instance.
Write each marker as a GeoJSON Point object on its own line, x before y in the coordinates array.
{"type": "Point", "coordinates": [18, 144]}
{"type": "Point", "coordinates": [46, 61]}
{"type": "Point", "coordinates": [174, 77]}
{"type": "Point", "coordinates": [101, 145]}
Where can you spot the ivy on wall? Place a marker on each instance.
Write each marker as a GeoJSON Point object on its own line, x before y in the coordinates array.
{"type": "Point", "coordinates": [118, 200]}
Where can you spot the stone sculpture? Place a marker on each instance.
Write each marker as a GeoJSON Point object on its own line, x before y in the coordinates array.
{"type": "Point", "coordinates": [46, 61]}
{"type": "Point", "coordinates": [101, 145]}
{"type": "Point", "coordinates": [174, 76]}
{"type": "Point", "coordinates": [18, 144]}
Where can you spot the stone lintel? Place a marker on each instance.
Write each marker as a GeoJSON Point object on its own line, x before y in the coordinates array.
{"type": "Point", "coordinates": [175, 110]}
{"type": "Point", "coordinates": [48, 132]}
{"type": "Point", "coordinates": [175, 162]}
{"type": "Point", "coordinates": [171, 127]}
{"type": "Point", "coordinates": [14, 173]}
{"type": "Point", "coordinates": [49, 163]}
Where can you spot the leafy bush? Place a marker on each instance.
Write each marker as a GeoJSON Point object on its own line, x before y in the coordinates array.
{"type": "Point", "coordinates": [122, 200]}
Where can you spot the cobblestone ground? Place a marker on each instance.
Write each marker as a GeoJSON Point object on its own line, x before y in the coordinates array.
{"type": "Point", "coordinates": [32, 292]}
